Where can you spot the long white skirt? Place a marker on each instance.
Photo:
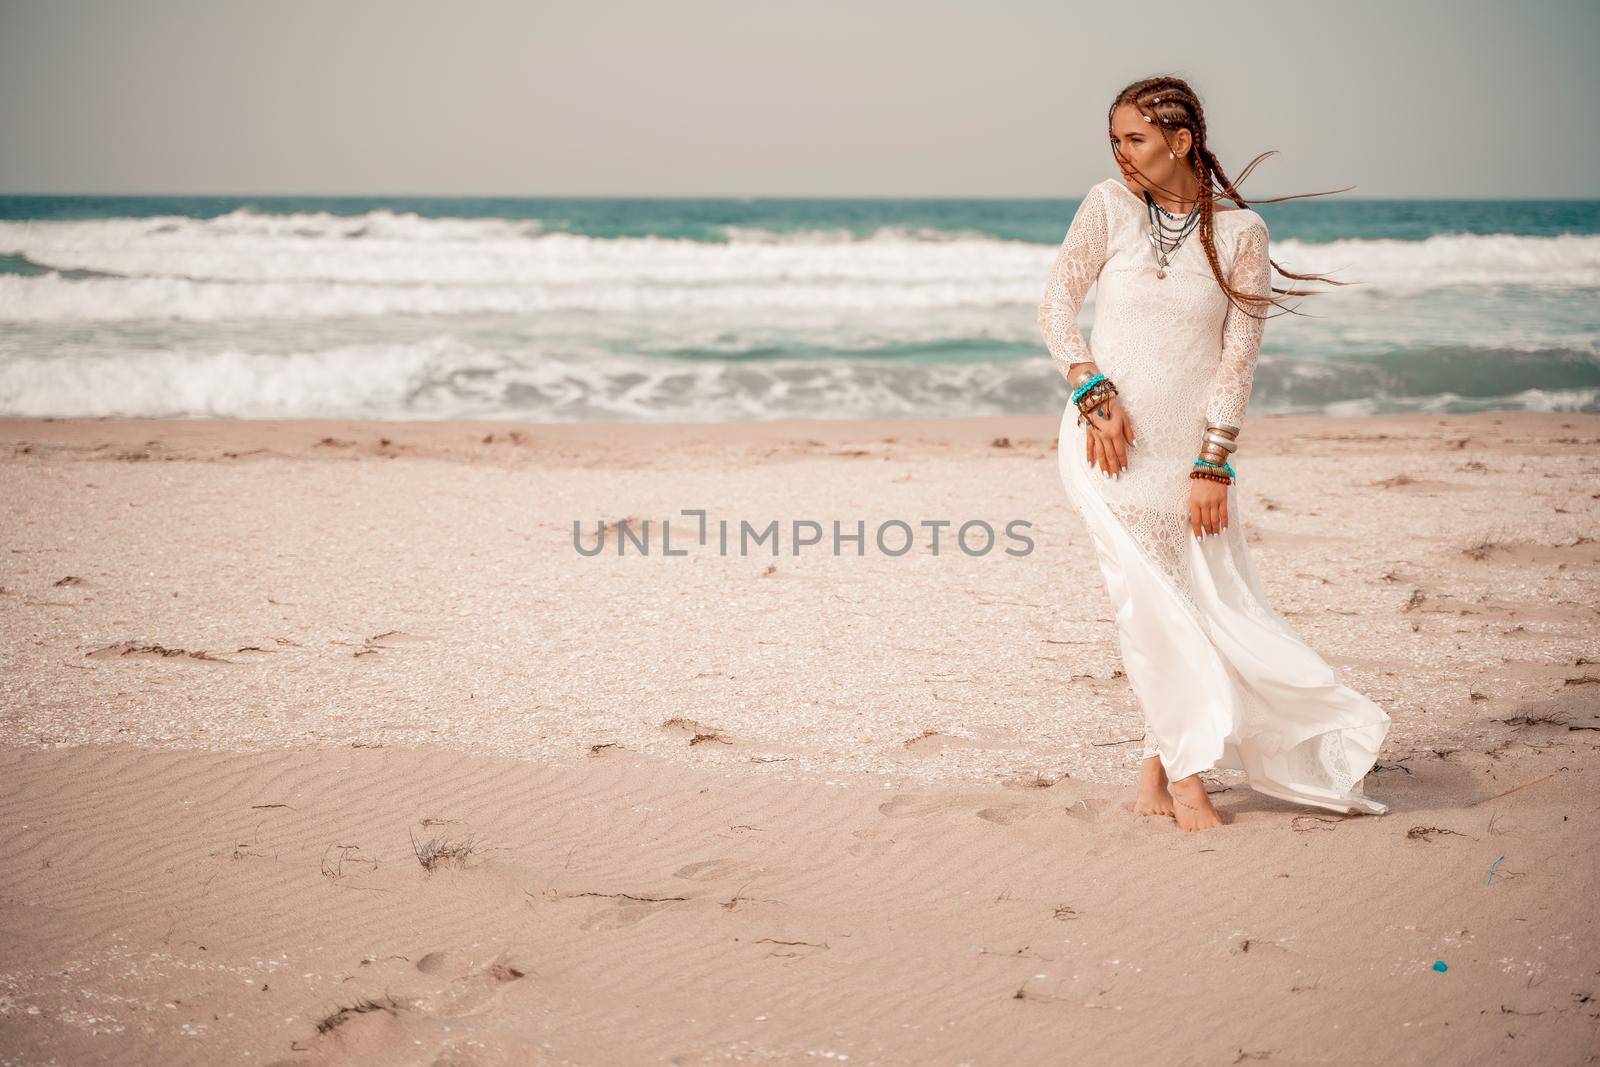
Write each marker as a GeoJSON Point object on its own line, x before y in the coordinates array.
{"type": "Point", "coordinates": [1223, 680]}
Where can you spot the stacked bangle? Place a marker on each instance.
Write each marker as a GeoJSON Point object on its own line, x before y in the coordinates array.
{"type": "Point", "coordinates": [1091, 393]}
{"type": "Point", "coordinates": [1218, 444]}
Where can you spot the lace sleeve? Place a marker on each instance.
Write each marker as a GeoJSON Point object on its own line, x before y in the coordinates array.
{"type": "Point", "coordinates": [1076, 267]}
{"type": "Point", "coordinates": [1241, 333]}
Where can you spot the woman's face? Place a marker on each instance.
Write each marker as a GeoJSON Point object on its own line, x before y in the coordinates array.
{"type": "Point", "coordinates": [1141, 151]}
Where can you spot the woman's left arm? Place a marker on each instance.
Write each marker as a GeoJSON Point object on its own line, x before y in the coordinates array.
{"type": "Point", "coordinates": [1241, 332]}
{"type": "Point", "coordinates": [1230, 390]}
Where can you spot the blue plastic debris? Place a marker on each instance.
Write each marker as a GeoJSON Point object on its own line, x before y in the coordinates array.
{"type": "Point", "coordinates": [1438, 965]}
{"type": "Point", "coordinates": [1491, 872]}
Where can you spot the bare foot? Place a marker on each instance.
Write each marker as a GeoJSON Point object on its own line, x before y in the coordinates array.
{"type": "Point", "coordinates": [1153, 796]}
{"type": "Point", "coordinates": [1194, 810]}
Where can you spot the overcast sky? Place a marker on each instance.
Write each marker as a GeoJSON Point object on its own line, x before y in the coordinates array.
{"type": "Point", "coordinates": [803, 98]}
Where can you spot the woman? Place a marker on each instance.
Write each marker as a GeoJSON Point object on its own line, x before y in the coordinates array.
{"type": "Point", "coordinates": [1146, 456]}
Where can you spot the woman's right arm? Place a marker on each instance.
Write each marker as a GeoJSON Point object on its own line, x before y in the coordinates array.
{"type": "Point", "coordinates": [1077, 265]}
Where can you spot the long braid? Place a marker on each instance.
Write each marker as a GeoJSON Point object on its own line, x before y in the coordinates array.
{"type": "Point", "coordinates": [1169, 103]}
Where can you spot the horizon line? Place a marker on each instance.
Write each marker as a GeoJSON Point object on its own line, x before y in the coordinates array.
{"type": "Point", "coordinates": [698, 196]}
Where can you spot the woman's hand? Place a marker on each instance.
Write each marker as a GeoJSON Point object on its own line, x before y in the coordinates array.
{"type": "Point", "coordinates": [1208, 506]}
{"type": "Point", "coordinates": [1108, 436]}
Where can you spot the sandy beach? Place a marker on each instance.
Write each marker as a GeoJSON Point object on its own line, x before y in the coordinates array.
{"type": "Point", "coordinates": [322, 741]}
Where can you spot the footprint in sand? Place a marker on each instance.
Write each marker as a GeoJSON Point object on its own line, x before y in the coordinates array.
{"type": "Point", "coordinates": [871, 841]}
{"type": "Point", "coordinates": [1032, 781]}
{"type": "Point", "coordinates": [711, 870]}
{"type": "Point", "coordinates": [625, 912]}
{"type": "Point", "coordinates": [388, 641]}
{"type": "Point", "coordinates": [906, 805]}
{"type": "Point", "coordinates": [374, 1027]}
{"type": "Point", "coordinates": [468, 985]}
{"type": "Point", "coordinates": [1006, 814]}
{"type": "Point", "coordinates": [871, 848]}
{"type": "Point", "coordinates": [1095, 809]}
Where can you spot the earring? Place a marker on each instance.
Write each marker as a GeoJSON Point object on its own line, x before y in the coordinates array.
{"type": "Point", "coordinates": [1171, 156]}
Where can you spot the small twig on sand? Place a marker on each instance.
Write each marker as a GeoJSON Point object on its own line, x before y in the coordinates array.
{"type": "Point", "coordinates": [1524, 785]}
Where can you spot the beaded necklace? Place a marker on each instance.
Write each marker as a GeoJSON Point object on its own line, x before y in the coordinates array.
{"type": "Point", "coordinates": [1165, 237]}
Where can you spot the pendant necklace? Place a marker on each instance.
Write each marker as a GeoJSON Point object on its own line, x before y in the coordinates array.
{"type": "Point", "coordinates": [1166, 237]}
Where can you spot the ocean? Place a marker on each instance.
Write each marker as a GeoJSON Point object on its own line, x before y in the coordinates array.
{"type": "Point", "coordinates": [690, 310]}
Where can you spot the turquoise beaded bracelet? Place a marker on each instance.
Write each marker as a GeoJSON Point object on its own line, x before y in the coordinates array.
{"type": "Point", "coordinates": [1207, 463]}
{"type": "Point", "coordinates": [1087, 384]}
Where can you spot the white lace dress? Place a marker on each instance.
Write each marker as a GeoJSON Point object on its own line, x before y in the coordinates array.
{"type": "Point", "coordinates": [1222, 679]}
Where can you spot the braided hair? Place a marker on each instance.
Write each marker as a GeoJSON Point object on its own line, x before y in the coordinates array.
{"type": "Point", "coordinates": [1170, 104]}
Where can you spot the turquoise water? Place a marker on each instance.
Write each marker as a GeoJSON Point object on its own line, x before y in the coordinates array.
{"type": "Point", "coordinates": [706, 309]}
{"type": "Point", "coordinates": [1035, 220]}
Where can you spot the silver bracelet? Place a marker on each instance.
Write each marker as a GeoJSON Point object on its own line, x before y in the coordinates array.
{"type": "Point", "coordinates": [1228, 444]}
